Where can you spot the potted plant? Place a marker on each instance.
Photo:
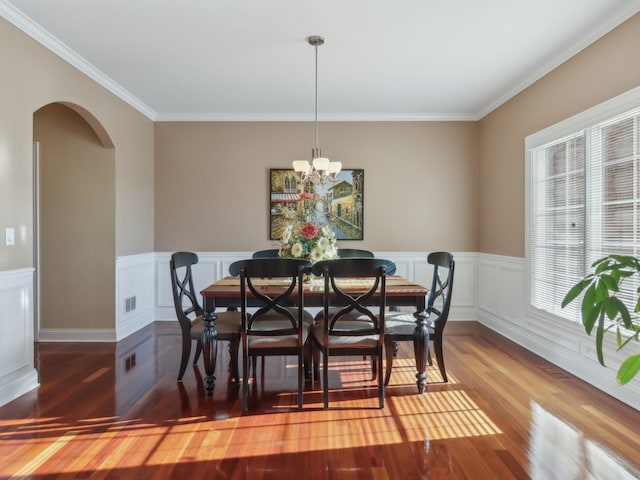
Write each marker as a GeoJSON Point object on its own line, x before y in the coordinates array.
{"type": "Point", "coordinates": [604, 310]}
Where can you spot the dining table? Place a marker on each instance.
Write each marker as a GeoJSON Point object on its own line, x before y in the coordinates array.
{"type": "Point", "coordinates": [400, 292]}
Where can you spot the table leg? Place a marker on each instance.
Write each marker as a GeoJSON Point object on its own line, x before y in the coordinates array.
{"type": "Point", "coordinates": [421, 349]}
{"type": "Point", "coordinates": [210, 349]}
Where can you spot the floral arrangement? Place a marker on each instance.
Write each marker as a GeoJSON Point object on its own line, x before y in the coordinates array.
{"type": "Point", "coordinates": [301, 238]}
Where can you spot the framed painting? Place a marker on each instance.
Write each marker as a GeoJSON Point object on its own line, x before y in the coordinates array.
{"type": "Point", "coordinates": [337, 203]}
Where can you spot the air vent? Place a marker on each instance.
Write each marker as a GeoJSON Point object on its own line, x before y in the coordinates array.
{"type": "Point", "coordinates": [130, 304]}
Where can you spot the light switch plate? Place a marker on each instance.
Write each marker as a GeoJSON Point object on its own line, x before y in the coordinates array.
{"type": "Point", "coordinates": [10, 236]}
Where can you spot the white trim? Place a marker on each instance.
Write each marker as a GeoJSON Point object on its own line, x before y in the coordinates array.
{"type": "Point", "coordinates": [17, 369]}
{"type": "Point", "coordinates": [625, 11]}
{"type": "Point", "coordinates": [134, 278]}
{"type": "Point", "coordinates": [557, 340]}
{"type": "Point", "coordinates": [35, 31]}
{"type": "Point", "coordinates": [617, 105]}
{"type": "Point", "coordinates": [213, 266]}
{"type": "Point", "coordinates": [296, 117]}
{"type": "Point", "coordinates": [77, 335]}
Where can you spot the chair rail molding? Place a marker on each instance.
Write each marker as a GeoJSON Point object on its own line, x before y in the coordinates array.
{"type": "Point", "coordinates": [17, 369]}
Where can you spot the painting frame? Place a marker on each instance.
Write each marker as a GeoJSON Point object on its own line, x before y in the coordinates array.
{"type": "Point", "coordinates": [339, 203]}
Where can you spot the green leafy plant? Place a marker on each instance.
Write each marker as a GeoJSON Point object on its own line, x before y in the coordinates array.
{"type": "Point", "coordinates": [603, 310]}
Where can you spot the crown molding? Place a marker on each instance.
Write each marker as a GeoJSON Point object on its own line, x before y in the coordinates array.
{"type": "Point", "coordinates": [373, 117]}
{"type": "Point", "coordinates": [28, 26]}
{"type": "Point", "coordinates": [625, 11]}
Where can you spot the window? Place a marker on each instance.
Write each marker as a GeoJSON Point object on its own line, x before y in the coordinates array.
{"type": "Point", "coordinates": [583, 200]}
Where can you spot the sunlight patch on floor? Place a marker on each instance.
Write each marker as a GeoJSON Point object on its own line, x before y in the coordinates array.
{"type": "Point", "coordinates": [441, 415]}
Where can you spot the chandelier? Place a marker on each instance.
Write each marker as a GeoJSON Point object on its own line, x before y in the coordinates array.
{"type": "Point", "coordinates": [320, 168]}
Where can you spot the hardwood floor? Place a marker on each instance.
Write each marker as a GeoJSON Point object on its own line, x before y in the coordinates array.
{"type": "Point", "coordinates": [116, 411]}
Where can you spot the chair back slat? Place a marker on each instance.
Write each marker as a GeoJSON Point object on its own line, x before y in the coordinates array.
{"type": "Point", "coordinates": [439, 300]}
{"type": "Point", "coordinates": [354, 253]}
{"type": "Point", "coordinates": [185, 300]}
{"type": "Point", "coordinates": [271, 253]}
{"type": "Point", "coordinates": [363, 268]}
{"type": "Point", "coordinates": [292, 272]}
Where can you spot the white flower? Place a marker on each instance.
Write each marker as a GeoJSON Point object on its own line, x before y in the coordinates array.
{"type": "Point", "coordinates": [286, 233]}
{"type": "Point", "coordinates": [324, 244]}
{"type": "Point", "coordinates": [296, 250]}
{"type": "Point", "coordinates": [316, 254]}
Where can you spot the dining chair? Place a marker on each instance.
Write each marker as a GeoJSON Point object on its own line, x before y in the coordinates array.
{"type": "Point", "coordinates": [276, 328]}
{"type": "Point", "coordinates": [354, 253]}
{"type": "Point", "coordinates": [401, 326]}
{"type": "Point", "coordinates": [353, 328]}
{"type": "Point", "coordinates": [189, 313]}
{"type": "Point", "coordinates": [271, 253]}
{"type": "Point", "coordinates": [357, 253]}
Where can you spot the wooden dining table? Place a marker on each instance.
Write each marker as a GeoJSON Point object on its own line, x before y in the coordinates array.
{"type": "Point", "coordinates": [400, 292]}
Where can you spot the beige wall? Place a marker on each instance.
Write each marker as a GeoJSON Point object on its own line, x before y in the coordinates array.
{"type": "Point", "coordinates": [33, 77]}
{"type": "Point", "coordinates": [77, 222]}
{"type": "Point", "coordinates": [473, 171]}
{"type": "Point", "coordinates": [212, 181]}
{"type": "Point", "coordinates": [600, 72]}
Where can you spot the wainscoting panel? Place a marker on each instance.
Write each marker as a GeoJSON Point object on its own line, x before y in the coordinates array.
{"type": "Point", "coordinates": [412, 265]}
{"type": "Point", "coordinates": [17, 369]}
{"type": "Point", "coordinates": [211, 266]}
{"type": "Point", "coordinates": [503, 307]}
{"type": "Point", "coordinates": [135, 293]}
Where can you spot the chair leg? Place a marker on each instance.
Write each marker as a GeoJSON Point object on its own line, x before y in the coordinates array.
{"type": "Point", "coordinates": [437, 345]}
{"type": "Point", "coordinates": [234, 346]}
{"type": "Point", "coordinates": [325, 378]}
{"type": "Point", "coordinates": [388, 346]}
{"type": "Point", "coordinates": [198, 351]}
{"type": "Point", "coordinates": [301, 356]}
{"type": "Point", "coordinates": [380, 381]}
{"type": "Point", "coordinates": [308, 362]}
{"type": "Point", "coordinates": [186, 352]}
{"type": "Point", "coordinates": [254, 365]}
{"type": "Point", "coordinates": [245, 380]}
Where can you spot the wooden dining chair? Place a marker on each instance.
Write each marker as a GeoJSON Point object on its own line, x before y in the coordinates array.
{"type": "Point", "coordinates": [276, 327]}
{"type": "Point", "coordinates": [352, 328]}
{"type": "Point", "coordinates": [354, 253]}
{"type": "Point", "coordinates": [271, 253]}
{"type": "Point", "coordinates": [401, 326]}
{"type": "Point", "coordinates": [189, 313]}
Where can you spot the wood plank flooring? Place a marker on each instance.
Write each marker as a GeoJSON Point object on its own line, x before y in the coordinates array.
{"type": "Point", "coordinates": [107, 411]}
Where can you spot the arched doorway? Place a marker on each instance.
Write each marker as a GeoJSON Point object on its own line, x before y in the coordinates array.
{"type": "Point", "coordinates": [75, 225]}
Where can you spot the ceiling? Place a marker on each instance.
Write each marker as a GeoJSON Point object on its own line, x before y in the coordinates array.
{"type": "Point", "coordinates": [382, 60]}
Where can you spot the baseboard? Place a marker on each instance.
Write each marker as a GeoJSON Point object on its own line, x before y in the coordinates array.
{"type": "Point", "coordinates": [76, 335]}
{"type": "Point", "coordinates": [18, 385]}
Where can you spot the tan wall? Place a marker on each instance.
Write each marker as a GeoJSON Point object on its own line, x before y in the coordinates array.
{"type": "Point", "coordinates": [212, 181]}
{"type": "Point", "coordinates": [77, 222]}
{"type": "Point", "coordinates": [600, 72]}
{"type": "Point", "coordinates": [33, 77]}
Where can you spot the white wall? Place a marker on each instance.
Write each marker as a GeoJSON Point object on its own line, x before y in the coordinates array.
{"type": "Point", "coordinates": [502, 306]}
{"type": "Point", "coordinates": [489, 288]}
{"type": "Point", "coordinates": [412, 265]}
{"type": "Point", "coordinates": [17, 370]}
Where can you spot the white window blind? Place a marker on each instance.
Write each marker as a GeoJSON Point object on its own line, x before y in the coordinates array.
{"type": "Point", "coordinates": [584, 203]}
